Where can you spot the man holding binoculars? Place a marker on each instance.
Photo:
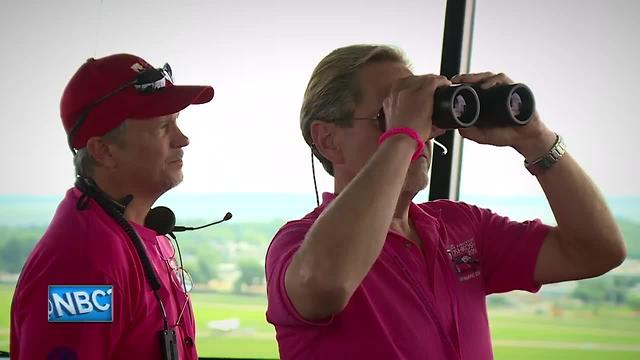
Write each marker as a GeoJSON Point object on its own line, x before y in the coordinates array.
{"type": "Point", "coordinates": [370, 274]}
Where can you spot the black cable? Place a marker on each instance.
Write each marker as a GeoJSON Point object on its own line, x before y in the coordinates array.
{"type": "Point", "coordinates": [313, 173]}
{"type": "Point", "coordinates": [114, 210]}
{"type": "Point", "coordinates": [110, 209]}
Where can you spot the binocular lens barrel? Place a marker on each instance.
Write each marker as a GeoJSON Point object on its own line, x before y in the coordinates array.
{"type": "Point", "coordinates": [505, 105]}
{"type": "Point", "coordinates": [455, 106]}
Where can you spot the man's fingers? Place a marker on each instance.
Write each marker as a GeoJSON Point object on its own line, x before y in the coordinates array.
{"type": "Point", "coordinates": [471, 78]}
{"type": "Point", "coordinates": [432, 82]}
{"type": "Point", "coordinates": [485, 80]}
{"type": "Point", "coordinates": [420, 82]}
{"type": "Point", "coordinates": [499, 79]}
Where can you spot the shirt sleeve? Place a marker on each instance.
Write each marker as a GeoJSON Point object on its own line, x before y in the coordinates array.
{"type": "Point", "coordinates": [34, 337]}
{"type": "Point", "coordinates": [280, 309]}
{"type": "Point", "coordinates": [508, 250]}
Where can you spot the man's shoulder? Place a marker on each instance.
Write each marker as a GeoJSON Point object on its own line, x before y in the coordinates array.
{"type": "Point", "coordinates": [84, 227]}
{"type": "Point", "coordinates": [293, 229]}
{"type": "Point", "coordinates": [80, 239]}
{"type": "Point", "coordinates": [77, 248]}
{"type": "Point", "coordinates": [290, 235]}
{"type": "Point", "coordinates": [299, 226]}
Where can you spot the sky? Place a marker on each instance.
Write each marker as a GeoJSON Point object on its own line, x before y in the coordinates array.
{"type": "Point", "coordinates": [259, 55]}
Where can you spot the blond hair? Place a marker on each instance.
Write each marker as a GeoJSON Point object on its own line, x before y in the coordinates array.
{"type": "Point", "coordinates": [333, 91]}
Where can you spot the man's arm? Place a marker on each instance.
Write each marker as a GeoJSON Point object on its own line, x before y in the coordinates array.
{"type": "Point", "coordinates": [587, 241]}
{"type": "Point", "coordinates": [344, 242]}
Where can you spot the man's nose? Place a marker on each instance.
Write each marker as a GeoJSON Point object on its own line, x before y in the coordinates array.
{"type": "Point", "coordinates": [179, 139]}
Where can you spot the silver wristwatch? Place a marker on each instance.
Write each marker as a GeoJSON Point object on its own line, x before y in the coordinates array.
{"type": "Point", "coordinates": [547, 160]}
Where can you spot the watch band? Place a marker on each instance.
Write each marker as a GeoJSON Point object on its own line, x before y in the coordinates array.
{"type": "Point", "coordinates": [547, 160]}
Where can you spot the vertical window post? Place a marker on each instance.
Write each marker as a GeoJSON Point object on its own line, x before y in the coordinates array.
{"type": "Point", "coordinates": [456, 54]}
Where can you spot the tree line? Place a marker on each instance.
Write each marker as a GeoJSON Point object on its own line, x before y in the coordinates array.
{"type": "Point", "coordinates": [245, 244]}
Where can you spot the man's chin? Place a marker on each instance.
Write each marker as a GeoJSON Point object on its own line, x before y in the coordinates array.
{"type": "Point", "coordinates": [412, 188]}
{"type": "Point", "coordinates": [416, 181]}
{"type": "Point", "coordinates": [172, 182]}
{"type": "Point", "coordinates": [175, 183]}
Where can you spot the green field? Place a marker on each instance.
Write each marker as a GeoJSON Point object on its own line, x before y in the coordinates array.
{"type": "Point", "coordinates": [576, 334]}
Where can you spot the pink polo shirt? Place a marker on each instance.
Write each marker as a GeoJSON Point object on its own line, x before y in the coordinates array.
{"type": "Point", "coordinates": [88, 248]}
{"type": "Point", "coordinates": [412, 304]}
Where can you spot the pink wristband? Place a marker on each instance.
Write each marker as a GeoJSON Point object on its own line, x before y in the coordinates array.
{"type": "Point", "coordinates": [406, 131]}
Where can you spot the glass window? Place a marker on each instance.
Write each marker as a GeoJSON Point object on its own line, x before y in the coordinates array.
{"type": "Point", "coordinates": [246, 156]}
{"type": "Point", "coordinates": [578, 57]}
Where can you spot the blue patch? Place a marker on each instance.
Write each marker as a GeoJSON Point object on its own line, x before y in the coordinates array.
{"type": "Point", "coordinates": [80, 303]}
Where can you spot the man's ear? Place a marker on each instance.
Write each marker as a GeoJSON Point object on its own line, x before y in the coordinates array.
{"type": "Point", "coordinates": [325, 139]}
{"type": "Point", "coordinates": [100, 151]}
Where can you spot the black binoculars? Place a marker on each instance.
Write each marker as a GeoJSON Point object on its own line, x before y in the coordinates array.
{"type": "Point", "coordinates": [465, 105]}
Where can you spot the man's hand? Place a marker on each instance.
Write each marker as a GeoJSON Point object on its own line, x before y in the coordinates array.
{"type": "Point", "coordinates": [410, 104]}
{"type": "Point", "coordinates": [531, 140]}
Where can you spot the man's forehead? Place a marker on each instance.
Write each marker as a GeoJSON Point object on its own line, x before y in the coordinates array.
{"type": "Point", "coordinates": [376, 79]}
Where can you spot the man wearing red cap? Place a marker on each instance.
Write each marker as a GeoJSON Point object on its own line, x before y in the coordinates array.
{"type": "Point", "coordinates": [112, 287]}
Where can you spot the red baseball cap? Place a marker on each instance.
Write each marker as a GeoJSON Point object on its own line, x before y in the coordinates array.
{"type": "Point", "coordinates": [105, 89]}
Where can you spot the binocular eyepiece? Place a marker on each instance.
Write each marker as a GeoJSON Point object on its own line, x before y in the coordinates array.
{"type": "Point", "coordinates": [465, 105]}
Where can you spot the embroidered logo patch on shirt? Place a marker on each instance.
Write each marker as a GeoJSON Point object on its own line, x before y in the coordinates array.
{"type": "Point", "coordinates": [464, 259]}
{"type": "Point", "coordinates": [80, 303]}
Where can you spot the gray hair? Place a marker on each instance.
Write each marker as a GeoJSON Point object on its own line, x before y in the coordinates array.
{"type": "Point", "coordinates": [333, 91]}
{"type": "Point", "coordinates": [85, 163]}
